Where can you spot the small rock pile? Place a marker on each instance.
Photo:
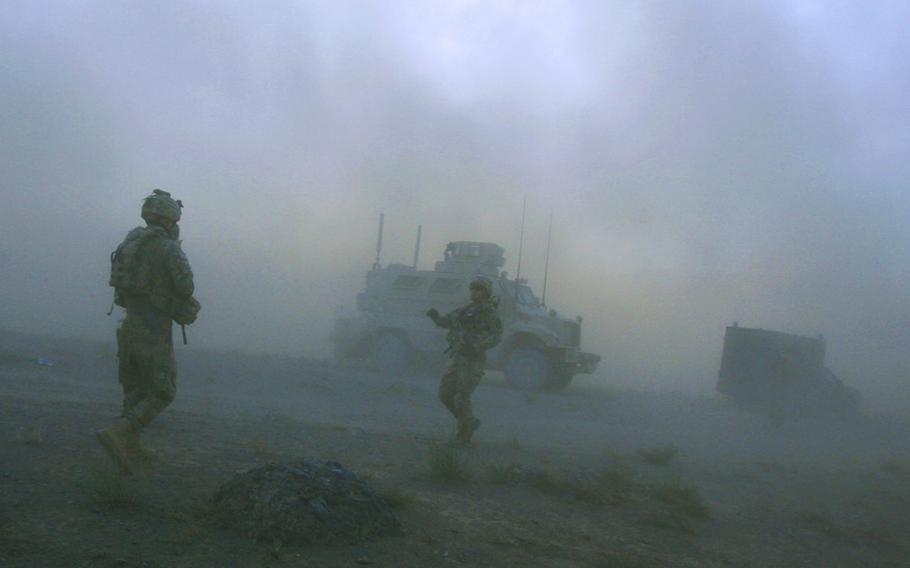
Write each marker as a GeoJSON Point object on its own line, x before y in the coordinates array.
{"type": "Point", "coordinates": [304, 502]}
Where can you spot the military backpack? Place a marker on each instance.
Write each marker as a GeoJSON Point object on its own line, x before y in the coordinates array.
{"type": "Point", "coordinates": [129, 272]}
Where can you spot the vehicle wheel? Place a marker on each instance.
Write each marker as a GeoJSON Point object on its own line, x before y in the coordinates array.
{"type": "Point", "coordinates": [390, 353]}
{"type": "Point", "coordinates": [528, 369]}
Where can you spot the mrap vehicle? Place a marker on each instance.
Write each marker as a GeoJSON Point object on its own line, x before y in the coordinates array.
{"type": "Point", "coordinates": [540, 349]}
{"type": "Point", "coordinates": [782, 374]}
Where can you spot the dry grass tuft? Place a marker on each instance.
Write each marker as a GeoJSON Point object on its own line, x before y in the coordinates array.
{"type": "Point", "coordinates": [617, 560]}
{"type": "Point", "coordinates": [111, 491]}
{"type": "Point", "coordinates": [34, 436]}
{"type": "Point", "coordinates": [548, 482]}
{"type": "Point", "coordinates": [261, 448]}
{"type": "Point", "coordinates": [669, 520]}
{"type": "Point", "coordinates": [11, 358]}
{"type": "Point", "coordinates": [895, 467]}
{"type": "Point", "coordinates": [198, 516]}
{"type": "Point", "coordinates": [824, 523]}
{"type": "Point", "coordinates": [397, 498]}
{"type": "Point", "coordinates": [503, 474]}
{"type": "Point", "coordinates": [659, 455]}
{"type": "Point", "coordinates": [613, 485]}
{"type": "Point", "coordinates": [684, 499]}
{"type": "Point", "coordinates": [543, 480]}
{"type": "Point", "coordinates": [446, 464]}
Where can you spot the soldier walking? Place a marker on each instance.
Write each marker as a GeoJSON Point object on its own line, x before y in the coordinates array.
{"type": "Point", "coordinates": [153, 281]}
{"type": "Point", "coordinates": [473, 329]}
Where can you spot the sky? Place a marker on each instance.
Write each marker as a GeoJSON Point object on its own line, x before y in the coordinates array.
{"type": "Point", "coordinates": [705, 162]}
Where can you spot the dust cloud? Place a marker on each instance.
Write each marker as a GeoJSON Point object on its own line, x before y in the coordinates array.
{"type": "Point", "coordinates": [705, 163]}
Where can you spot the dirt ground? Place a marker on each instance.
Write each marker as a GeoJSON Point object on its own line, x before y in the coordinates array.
{"type": "Point", "coordinates": [586, 477]}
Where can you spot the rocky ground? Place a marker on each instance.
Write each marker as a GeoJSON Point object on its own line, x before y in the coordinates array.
{"type": "Point", "coordinates": [587, 477]}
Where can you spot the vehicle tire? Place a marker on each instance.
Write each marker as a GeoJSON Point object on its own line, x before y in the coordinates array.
{"type": "Point", "coordinates": [391, 354]}
{"type": "Point", "coordinates": [528, 369]}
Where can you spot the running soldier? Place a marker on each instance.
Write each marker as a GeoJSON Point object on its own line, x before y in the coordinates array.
{"type": "Point", "coordinates": [473, 329]}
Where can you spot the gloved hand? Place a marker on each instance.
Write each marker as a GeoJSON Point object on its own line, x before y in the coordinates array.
{"type": "Point", "coordinates": [432, 313]}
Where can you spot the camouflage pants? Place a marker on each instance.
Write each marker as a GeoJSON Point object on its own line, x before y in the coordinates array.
{"type": "Point", "coordinates": [148, 374]}
{"type": "Point", "coordinates": [457, 385]}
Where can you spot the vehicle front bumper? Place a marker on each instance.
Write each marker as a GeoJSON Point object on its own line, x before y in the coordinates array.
{"type": "Point", "coordinates": [585, 363]}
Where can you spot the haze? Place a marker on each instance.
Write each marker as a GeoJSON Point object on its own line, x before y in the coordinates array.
{"type": "Point", "coordinates": [705, 162]}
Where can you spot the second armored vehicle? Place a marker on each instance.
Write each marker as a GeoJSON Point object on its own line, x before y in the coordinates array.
{"type": "Point", "coordinates": [782, 374]}
{"type": "Point", "coordinates": [540, 349]}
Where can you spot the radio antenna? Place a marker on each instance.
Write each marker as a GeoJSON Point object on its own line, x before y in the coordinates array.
{"type": "Point", "coordinates": [546, 264]}
{"type": "Point", "coordinates": [521, 242]}
{"type": "Point", "coordinates": [376, 264]}
{"type": "Point", "coordinates": [417, 246]}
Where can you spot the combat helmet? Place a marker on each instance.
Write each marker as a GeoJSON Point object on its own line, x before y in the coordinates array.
{"type": "Point", "coordinates": [483, 283]}
{"type": "Point", "coordinates": [161, 203]}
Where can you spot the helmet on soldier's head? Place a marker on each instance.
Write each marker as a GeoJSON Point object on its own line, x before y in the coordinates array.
{"type": "Point", "coordinates": [161, 203]}
{"type": "Point", "coordinates": [482, 283]}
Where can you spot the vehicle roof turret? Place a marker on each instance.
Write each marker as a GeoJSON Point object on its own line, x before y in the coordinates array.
{"type": "Point", "coordinates": [470, 257]}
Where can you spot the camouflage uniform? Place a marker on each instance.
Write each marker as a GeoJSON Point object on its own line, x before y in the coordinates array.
{"type": "Point", "coordinates": [145, 348]}
{"type": "Point", "coordinates": [154, 283]}
{"type": "Point", "coordinates": [473, 329]}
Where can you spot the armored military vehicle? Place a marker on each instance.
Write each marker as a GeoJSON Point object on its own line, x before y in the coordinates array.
{"type": "Point", "coordinates": [782, 374]}
{"type": "Point", "coordinates": [540, 349]}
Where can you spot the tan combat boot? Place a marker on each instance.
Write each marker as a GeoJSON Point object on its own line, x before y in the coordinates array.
{"type": "Point", "coordinates": [137, 453]}
{"type": "Point", "coordinates": [115, 441]}
{"type": "Point", "coordinates": [466, 431]}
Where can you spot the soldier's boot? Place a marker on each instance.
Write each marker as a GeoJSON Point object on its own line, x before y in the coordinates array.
{"type": "Point", "coordinates": [137, 453]}
{"type": "Point", "coordinates": [115, 441]}
{"type": "Point", "coordinates": [466, 429]}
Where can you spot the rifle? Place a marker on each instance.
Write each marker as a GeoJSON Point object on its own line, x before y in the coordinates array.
{"type": "Point", "coordinates": [458, 340]}
{"type": "Point", "coordinates": [456, 343]}
{"type": "Point", "coordinates": [183, 332]}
